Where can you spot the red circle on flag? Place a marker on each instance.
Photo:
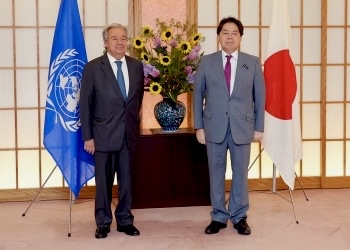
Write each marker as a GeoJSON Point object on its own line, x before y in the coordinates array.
{"type": "Point", "coordinates": [281, 85]}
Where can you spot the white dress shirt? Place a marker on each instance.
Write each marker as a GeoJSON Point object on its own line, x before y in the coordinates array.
{"type": "Point", "coordinates": [124, 69]}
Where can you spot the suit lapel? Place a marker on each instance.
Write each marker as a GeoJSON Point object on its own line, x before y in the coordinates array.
{"type": "Point", "coordinates": [219, 70]}
{"type": "Point", "coordinates": [132, 80]}
{"type": "Point", "coordinates": [240, 70]}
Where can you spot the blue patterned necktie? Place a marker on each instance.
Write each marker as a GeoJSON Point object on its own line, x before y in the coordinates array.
{"type": "Point", "coordinates": [120, 78]}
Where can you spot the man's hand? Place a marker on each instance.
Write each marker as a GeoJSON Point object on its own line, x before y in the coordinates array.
{"type": "Point", "coordinates": [200, 136]}
{"type": "Point", "coordinates": [89, 146]}
{"type": "Point", "coordinates": [258, 136]}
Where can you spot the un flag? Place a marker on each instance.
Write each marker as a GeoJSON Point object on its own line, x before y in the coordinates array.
{"type": "Point", "coordinates": [62, 132]}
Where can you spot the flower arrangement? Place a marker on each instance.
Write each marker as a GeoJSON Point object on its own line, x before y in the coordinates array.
{"type": "Point", "coordinates": [170, 56]}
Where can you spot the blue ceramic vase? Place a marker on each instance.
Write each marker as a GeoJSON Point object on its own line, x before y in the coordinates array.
{"type": "Point", "coordinates": [169, 114]}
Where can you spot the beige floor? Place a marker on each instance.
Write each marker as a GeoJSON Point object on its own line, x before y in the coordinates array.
{"type": "Point", "coordinates": [324, 223]}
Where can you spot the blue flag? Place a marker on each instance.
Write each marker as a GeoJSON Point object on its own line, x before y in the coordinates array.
{"type": "Point", "coordinates": [62, 130]}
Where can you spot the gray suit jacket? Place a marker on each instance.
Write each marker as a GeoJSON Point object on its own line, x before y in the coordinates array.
{"type": "Point", "coordinates": [244, 108]}
{"type": "Point", "coordinates": [105, 116]}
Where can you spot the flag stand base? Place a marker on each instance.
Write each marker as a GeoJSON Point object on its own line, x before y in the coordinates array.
{"type": "Point", "coordinates": [273, 191]}
{"type": "Point", "coordinates": [71, 202]}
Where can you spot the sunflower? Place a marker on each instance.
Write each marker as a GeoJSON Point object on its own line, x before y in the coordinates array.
{"type": "Point", "coordinates": [138, 42]}
{"type": "Point", "coordinates": [167, 35]}
{"type": "Point", "coordinates": [170, 53]}
{"type": "Point", "coordinates": [145, 57]}
{"type": "Point", "coordinates": [146, 31]}
{"type": "Point", "coordinates": [185, 47]}
{"type": "Point", "coordinates": [165, 60]}
{"type": "Point", "coordinates": [196, 38]}
{"type": "Point", "coordinates": [155, 88]}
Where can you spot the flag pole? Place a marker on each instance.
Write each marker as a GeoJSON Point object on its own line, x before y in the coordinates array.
{"type": "Point", "coordinates": [251, 165]}
{"type": "Point", "coordinates": [273, 191]}
{"type": "Point", "coordinates": [274, 178]}
{"type": "Point", "coordinates": [274, 182]}
{"type": "Point", "coordinates": [42, 186]}
{"type": "Point", "coordinates": [282, 114]}
{"type": "Point", "coordinates": [71, 202]}
{"type": "Point", "coordinates": [301, 186]}
{"type": "Point", "coordinates": [62, 132]}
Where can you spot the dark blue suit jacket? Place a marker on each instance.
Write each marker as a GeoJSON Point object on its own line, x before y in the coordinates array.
{"type": "Point", "coordinates": [105, 116]}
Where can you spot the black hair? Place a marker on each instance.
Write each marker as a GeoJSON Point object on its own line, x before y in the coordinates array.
{"type": "Point", "coordinates": [230, 20]}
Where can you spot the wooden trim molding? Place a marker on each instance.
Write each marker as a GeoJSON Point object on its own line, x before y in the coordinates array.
{"type": "Point", "coordinates": [135, 23]}
{"type": "Point", "coordinates": [62, 193]}
{"type": "Point", "coordinates": [192, 17]}
{"type": "Point", "coordinates": [323, 91]}
{"type": "Point", "coordinates": [59, 193]}
{"type": "Point", "coordinates": [305, 182]}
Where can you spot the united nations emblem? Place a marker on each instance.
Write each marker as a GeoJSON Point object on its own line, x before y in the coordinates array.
{"type": "Point", "coordinates": [64, 88]}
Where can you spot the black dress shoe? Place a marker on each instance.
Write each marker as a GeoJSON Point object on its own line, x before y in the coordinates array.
{"type": "Point", "coordinates": [101, 232]}
{"type": "Point", "coordinates": [128, 229]}
{"type": "Point", "coordinates": [242, 227]}
{"type": "Point", "coordinates": [214, 227]}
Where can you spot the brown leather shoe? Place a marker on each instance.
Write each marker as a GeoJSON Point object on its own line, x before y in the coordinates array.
{"type": "Point", "coordinates": [214, 227]}
{"type": "Point", "coordinates": [242, 227]}
{"type": "Point", "coordinates": [128, 229]}
{"type": "Point", "coordinates": [101, 232]}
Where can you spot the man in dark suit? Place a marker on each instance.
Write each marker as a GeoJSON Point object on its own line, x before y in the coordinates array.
{"type": "Point", "coordinates": [110, 101]}
{"type": "Point", "coordinates": [232, 85]}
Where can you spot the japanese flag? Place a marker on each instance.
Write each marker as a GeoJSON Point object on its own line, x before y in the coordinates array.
{"type": "Point", "coordinates": [282, 135]}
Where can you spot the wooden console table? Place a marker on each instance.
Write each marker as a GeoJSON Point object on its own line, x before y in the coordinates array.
{"type": "Point", "coordinates": [171, 170]}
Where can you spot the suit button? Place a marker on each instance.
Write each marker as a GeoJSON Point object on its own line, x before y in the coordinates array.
{"type": "Point", "coordinates": [226, 113]}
